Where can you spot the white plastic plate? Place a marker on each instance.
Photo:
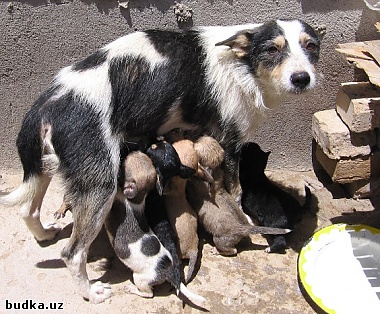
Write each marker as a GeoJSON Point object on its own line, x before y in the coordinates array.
{"type": "Point", "coordinates": [339, 267]}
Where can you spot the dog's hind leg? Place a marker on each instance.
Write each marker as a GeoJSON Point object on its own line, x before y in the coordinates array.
{"type": "Point", "coordinates": [29, 197]}
{"type": "Point", "coordinates": [30, 210]}
{"type": "Point", "coordinates": [39, 163]}
{"type": "Point", "coordinates": [88, 219]}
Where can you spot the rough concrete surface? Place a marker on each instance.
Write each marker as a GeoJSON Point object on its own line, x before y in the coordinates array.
{"type": "Point", "coordinates": [251, 282]}
{"type": "Point", "coordinates": [39, 37]}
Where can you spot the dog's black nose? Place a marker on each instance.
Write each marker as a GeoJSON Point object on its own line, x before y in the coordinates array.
{"type": "Point", "coordinates": [300, 79]}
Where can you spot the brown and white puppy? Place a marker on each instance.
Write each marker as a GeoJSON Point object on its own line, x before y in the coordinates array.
{"type": "Point", "coordinates": [217, 210]}
{"type": "Point", "coordinates": [219, 80]}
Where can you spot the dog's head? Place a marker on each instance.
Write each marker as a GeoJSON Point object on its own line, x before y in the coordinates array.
{"type": "Point", "coordinates": [281, 55]}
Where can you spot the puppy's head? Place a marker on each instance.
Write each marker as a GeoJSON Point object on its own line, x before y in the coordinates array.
{"type": "Point", "coordinates": [280, 54]}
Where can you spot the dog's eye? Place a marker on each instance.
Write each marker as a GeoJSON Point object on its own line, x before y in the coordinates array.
{"type": "Point", "coordinates": [311, 47]}
{"type": "Point", "coordinates": [272, 50]}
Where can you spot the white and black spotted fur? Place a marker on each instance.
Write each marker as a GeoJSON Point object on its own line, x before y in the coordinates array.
{"type": "Point", "coordinates": [140, 249]}
{"type": "Point", "coordinates": [218, 80]}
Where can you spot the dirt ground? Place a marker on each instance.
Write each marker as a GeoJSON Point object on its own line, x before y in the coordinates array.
{"type": "Point", "coordinates": [251, 282]}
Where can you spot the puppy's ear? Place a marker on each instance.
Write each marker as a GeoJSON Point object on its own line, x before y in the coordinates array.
{"type": "Point", "coordinates": [204, 174]}
{"type": "Point", "coordinates": [239, 43]}
{"type": "Point", "coordinates": [160, 184]}
{"type": "Point", "coordinates": [186, 172]}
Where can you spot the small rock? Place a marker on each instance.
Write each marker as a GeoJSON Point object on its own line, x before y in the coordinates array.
{"type": "Point", "coordinates": [182, 12]}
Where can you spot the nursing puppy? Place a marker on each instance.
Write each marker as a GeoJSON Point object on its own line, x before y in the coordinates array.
{"type": "Point", "coordinates": [158, 221]}
{"type": "Point", "coordinates": [216, 79]}
{"type": "Point", "coordinates": [139, 248]}
{"type": "Point", "coordinates": [265, 202]}
{"type": "Point", "coordinates": [134, 242]}
{"type": "Point", "coordinates": [218, 212]}
{"type": "Point", "coordinates": [167, 163]}
{"type": "Point", "coordinates": [175, 163]}
{"type": "Point", "coordinates": [182, 217]}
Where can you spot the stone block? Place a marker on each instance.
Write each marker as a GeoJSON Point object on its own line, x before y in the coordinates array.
{"type": "Point", "coordinates": [363, 188]}
{"type": "Point", "coordinates": [358, 105]}
{"type": "Point", "coordinates": [335, 138]}
{"type": "Point", "coordinates": [348, 170]}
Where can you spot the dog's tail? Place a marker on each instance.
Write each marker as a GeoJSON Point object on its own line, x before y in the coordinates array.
{"type": "Point", "coordinates": [26, 192]}
{"type": "Point", "coordinates": [42, 163]}
{"type": "Point", "coordinates": [192, 297]}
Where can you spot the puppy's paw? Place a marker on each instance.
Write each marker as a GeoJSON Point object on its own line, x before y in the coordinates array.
{"type": "Point", "coordinates": [50, 230]}
{"type": "Point", "coordinates": [214, 251]}
{"type": "Point", "coordinates": [99, 292]}
{"type": "Point", "coordinates": [59, 214]}
{"type": "Point", "coordinates": [268, 250]}
{"type": "Point", "coordinates": [132, 289]}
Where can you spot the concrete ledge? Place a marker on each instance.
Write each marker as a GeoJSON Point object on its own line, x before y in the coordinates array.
{"type": "Point", "coordinates": [358, 105]}
{"type": "Point", "coordinates": [335, 138]}
{"type": "Point", "coordinates": [349, 170]}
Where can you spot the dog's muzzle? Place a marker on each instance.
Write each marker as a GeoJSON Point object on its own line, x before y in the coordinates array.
{"type": "Point", "coordinates": [300, 80]}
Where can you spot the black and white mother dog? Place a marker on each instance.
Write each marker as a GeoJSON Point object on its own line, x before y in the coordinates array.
{"type": "Point", "coordinates": [217, 80]}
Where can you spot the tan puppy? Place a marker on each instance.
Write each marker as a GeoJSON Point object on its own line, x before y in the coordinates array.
{"type": "Point", "coordinates": [182, 217]}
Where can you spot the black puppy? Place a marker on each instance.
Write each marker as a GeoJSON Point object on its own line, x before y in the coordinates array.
{"type": "Point", "coordinates": [167, 163]}
{"type": "Point", "coordinates": [264, 201]}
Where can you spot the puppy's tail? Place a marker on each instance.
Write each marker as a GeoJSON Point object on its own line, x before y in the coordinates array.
{"type": "Point", "coordinates": [192, 297]}
{"type": "Point", "coordinates": [267, 230]}
{"type": "Point", "coordinates": [193, 257]}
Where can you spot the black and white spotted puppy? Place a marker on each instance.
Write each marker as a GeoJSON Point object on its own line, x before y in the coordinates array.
{"type": "Point", "coordinates": [216, 80]}
{"type": "Point", "coordinates": [134, 242]}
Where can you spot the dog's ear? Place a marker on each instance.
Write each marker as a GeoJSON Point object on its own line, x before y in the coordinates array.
{"type": "Point", "coordinates": [239, 43]}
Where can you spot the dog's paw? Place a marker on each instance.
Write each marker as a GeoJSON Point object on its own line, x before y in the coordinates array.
{"type": "Point", "coordinates": [268, 250]}
{"type": "Point", "coordinates": [50, 230]}
{"type": "Point", "coordinates": [99, 292]}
